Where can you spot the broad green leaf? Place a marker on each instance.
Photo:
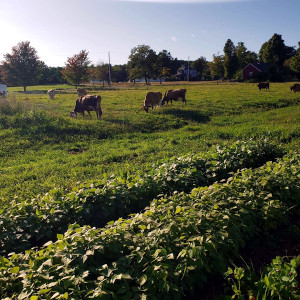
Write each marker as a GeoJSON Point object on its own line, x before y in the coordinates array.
{"type": "Point", "coordinates": [15, 270]}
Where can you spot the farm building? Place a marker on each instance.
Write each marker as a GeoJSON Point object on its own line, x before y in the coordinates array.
{"type": "Point", "coordinates": [182, 72]}
{"type": "Point", "coordinates": [3, 88]}
{"type": "Point", "coordinates": [253, 69]}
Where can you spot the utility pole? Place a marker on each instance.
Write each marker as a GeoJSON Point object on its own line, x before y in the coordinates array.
{"type": "Point", "coordinates": [109, 75]}
{"type": "Point", "coordinates": [188, 74]}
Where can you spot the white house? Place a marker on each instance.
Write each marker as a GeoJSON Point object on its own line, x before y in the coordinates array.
{"type": "Point", "coordinates": [3, 88]}
{"type": "Point", "coordinates": [185, 72]}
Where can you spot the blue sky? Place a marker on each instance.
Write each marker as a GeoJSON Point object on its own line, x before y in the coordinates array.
{"type": "Point", "coordinates": [58, 29]}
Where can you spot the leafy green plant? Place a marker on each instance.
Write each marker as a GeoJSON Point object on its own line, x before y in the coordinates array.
{"type": "Point", "coordinates": [176, 244]}
{"type": "Point", "coordinates": [279, 280]}
{"type": "Point", "coordinates": [33, 222]}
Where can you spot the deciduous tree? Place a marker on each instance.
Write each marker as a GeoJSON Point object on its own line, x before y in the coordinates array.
{"type": "Point", "coordinates": [244, 56]}
{"type": "Point", "coordinates": [217, 66]}
{"type": "Point", "coordinates": [295, 61]}
{"type": "Point", "coordinates": [101, 72]}
{"type": "Point", "coordinates": [77, 68]}
{"type": "Point", "coordinates": [275, 51]}
{"type": "Point", "coordinates": [21, 67]}
{"type": "Point", "coordinates": [142, 63]}
{"type": "Point", "coordinates": [201, 66]}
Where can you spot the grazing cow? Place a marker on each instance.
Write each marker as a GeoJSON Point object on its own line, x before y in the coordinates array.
{"type": "Point", "coordinates": [73, 114]}
{"type": "Point", "coordinates": [88, 103]}
{"type": "Point", "coordinates": [295, 87]}
{"type": "Point", "coordinates": [175, 95]}
{"type": "Point", "coordinates": [152, 99]}
{"type": "Point", "coordinates": [81, 92]}
{"type": "Point", "coordinates": [51, 94]}
{"type": "Point", "coordinates": [263, 85]}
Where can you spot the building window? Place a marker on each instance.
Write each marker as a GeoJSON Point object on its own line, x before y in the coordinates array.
{"type": "Point", "coordinates": [250, 74]}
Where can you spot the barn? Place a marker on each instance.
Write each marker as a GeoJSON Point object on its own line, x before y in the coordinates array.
{"type": "Point", "coordinates": [253, 69]}
{"type": "Point", "coordinates": [3, 88]}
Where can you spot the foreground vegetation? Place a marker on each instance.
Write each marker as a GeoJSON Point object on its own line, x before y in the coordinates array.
{"type": "Point", "coordinates": [207, 194]}
{"type": "Point", "coordinates": [165, 252]}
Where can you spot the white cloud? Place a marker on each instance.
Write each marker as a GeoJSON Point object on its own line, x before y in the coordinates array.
{"type": "Point", "coordinates": [193, 35]}
{"type": "Point", "coordinates": [173, 38]}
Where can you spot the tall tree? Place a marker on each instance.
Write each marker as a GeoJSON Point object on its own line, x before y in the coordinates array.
{"type": "Point", "coordinates": [295, 61]}
{"type": "Point", "coordinates": [102, 72]}
{"type": "Point", "coordinates": [77, 68]}
{"type": "Point", "coordinates": [164, 63]}
{"type": "Point", "coordinates": [217, 66]}
{"type": "Point", "coordinates": [244, 56]}
{"type": "Point", "coordinates": [201, 66]}
{"type": "Point", "coordinates": [230, 59]}
{"type": "Point", "coordinates": [51, 75]}
{"type": "Point", "coordinates": [275, 51]}
{"type": "Point", "coordinates": [21, 67]}
{"type": "Point", "coordinates": [119, 73]}
{"type": "Point", "coordinates": [142, 63]}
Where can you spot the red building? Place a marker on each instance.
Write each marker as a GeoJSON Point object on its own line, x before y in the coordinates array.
{"type": "Point", "coordinates": [253, 69]}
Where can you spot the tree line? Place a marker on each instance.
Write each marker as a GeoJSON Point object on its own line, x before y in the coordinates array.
{"type": "Point", "coordinates": [22, 67]}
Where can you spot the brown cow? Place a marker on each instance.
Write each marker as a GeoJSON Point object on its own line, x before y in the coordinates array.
{"type": "Point", "coordinates": [152, 99]}
{"type": "Point", "coordinates": [88, 103]}
{"type": "Point", "coordinates": [81, 92]}
{"type": "Point", "coordinates": [263, 85]}
{"type": "Point", "coordinates": [51, 94]}
{"type": "Point", "coordinates": [175, 95]}
{"type": "Point", "coordinates": [295, 87]}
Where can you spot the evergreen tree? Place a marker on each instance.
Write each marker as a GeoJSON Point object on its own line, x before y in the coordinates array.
{"type": "Point", "coordinates": [230, 60]}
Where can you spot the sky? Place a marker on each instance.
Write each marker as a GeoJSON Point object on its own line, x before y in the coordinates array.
{"type": "Point", "coordinates": [188, 29]}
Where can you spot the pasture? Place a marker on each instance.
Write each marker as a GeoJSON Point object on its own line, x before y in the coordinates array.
{"type": "Point", "coordinates": [43, 148]}
{"type": "Point", "coordinates": [172, 197]}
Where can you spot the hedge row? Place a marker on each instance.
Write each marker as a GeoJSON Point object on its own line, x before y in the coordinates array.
{"type": "Point", "coordinates": [175, 245]}
{"type": "Point", "coordinates": [24, 224]}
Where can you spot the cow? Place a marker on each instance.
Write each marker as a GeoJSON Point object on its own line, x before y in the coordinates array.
{"type": "Point", "coordinates": [88, 103]}
{"type": "Point", "coordinates": [295, 88]}
{"type": "Point", "coordinates": [175, 95]}
{"type": "Point", "coordinates": [2, 94]}
{"type": "Point", "coordinates": [152, 99]}
{"type": "Point", "coordinates": [81, 92]}
{"type": "Point", "coordinates": [51, 94]}
{"type": "Point", "coordinates": [263, 85]}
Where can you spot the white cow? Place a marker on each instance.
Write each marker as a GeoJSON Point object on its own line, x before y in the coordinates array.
{"type": "Point", "coordinates": [51, 94]}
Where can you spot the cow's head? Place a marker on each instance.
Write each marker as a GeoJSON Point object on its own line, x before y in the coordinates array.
{"type": "Point", "coordinates": [145, 108]}
{"type": "Point", "coordinates": [73, 114]}
{"type": "Point", "coordinates": [291, 87]}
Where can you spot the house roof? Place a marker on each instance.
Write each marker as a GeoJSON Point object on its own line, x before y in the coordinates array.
{"type": "Point", "coordinates": [260, 66]}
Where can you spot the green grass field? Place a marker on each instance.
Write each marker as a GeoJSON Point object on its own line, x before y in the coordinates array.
{"type": "Point", "coordinates": [43, 148]}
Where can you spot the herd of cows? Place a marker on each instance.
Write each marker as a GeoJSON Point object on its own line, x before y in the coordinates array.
{"type": "Point", "coordinates": [90, 103]}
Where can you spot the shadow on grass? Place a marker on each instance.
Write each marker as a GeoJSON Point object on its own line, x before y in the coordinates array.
{"type": "Point", "coordinates": [190, 115]}
{"type": "Point", "coordinates": [117, 121]}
